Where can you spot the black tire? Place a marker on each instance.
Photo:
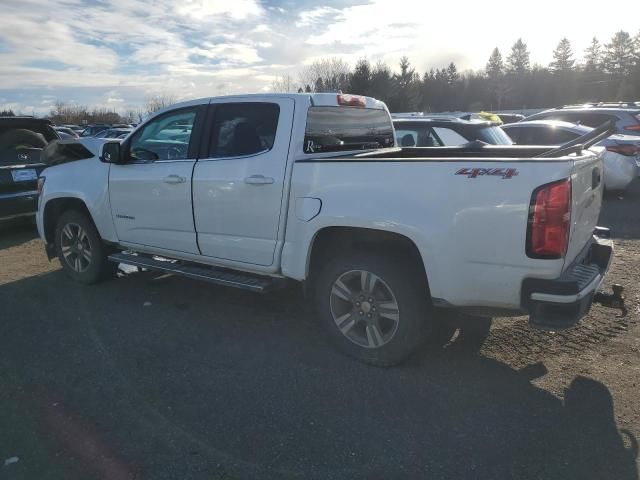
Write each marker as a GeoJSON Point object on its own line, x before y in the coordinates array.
{"type": "Point", "coordinates": [22, 137]}
{"type": "Point", "coordinates": [410, 294]}
{"type": "Point", "coordinates": [94, 269]}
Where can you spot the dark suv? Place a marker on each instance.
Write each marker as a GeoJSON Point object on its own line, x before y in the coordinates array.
{"type": "Point", "coordinates": [21, 142]}
{"type": "Point", "coordinates": [446, 131]}
{"type": "Point", "coordinates": [625, 114]}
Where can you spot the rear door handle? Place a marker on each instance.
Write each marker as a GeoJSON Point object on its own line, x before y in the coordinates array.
{"type": "Point", "coordinates": [174, 179]}
{"type": "Point", "coordinates": [258, 180]}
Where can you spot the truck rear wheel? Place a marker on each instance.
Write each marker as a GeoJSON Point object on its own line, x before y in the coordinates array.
{"type": "Point", "coordinates": [80, 249]}
{"type": "Point", "coordinates": [375, 308]}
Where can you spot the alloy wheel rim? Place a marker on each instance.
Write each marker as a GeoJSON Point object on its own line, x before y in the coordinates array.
{"type": "Point", "coordinates": [76, 247]}
{"type": "Point", "coordinates": [364, 308]}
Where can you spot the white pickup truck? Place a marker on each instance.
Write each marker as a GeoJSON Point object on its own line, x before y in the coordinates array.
{"type": "Point", "coordinates": [247, 191]}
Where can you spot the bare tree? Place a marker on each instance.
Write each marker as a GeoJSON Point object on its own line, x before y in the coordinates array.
{"type": "Point", "coordinates": [65, 113]}
{"type": "Point", "coordinates": [158, 102]}
{"type": "Point", "coordinates": [326, 75]}
{"type": "Point", "coordinates": [284, 84]}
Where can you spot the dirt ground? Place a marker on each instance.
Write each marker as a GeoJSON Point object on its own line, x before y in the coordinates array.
{"type": "Point", "coordinates": [157, 377]}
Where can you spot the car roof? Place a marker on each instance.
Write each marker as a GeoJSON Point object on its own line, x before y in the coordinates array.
{"type": "Point", "coordinates": [315, 99]}
{"type": "Point", "coordinates": [443, 119]}
{"type": "Point", "coordinates": [550, 123]}
{"type": "Point", "coordinates": [604, 108]}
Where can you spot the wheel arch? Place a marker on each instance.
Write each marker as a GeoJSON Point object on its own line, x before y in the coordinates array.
{"type": "Point", "coordinates": [342, 238]}
{"type": "Point", "coordinates": [54, 208]}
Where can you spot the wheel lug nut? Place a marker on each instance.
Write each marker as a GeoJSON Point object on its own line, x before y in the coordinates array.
{"type": "Point", "coordinates": [357, 304]}
{"type": "Point", "coordinates": [361, 312]}
{"type": "Point", "coordinates": [368, 315]}
{"type": "Point", "coordinates": [370, 299]}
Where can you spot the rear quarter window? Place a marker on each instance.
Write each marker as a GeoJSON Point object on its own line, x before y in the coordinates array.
{"type": "Point", "coordinates": [335, 129]}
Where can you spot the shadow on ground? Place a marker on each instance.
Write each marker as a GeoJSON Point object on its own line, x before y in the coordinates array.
{"type": "Point", "coordinates": [153, 377]}
{"type": "Point", "coordinates": [16, 232]}
{"type": "Point", "coordinates": [620, 212]}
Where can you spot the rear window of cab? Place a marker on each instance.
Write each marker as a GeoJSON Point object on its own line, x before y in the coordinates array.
{"type": "Point", "coordinates": [335, 129]}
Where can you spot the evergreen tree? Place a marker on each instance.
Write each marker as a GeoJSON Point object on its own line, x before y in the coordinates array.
{"type": "Point", "coordinates": [593, 57]}
{"type": "Point", "coordinates": [382, 82]}
{"type": "Point", "coordinates": [406, 92]}
{"type": "Point", "coordinates": [563, 60]}
{"type": "Point", "coordinates": [518, 61]}
{"type": "Point", "coordinates": [619, 54]}
{"type": "Point", "coordinates": [495, 65]}
{"type": "Point", "coordinates": [452, 74]}
{"type": "Point", "coordinates": [360, 81]}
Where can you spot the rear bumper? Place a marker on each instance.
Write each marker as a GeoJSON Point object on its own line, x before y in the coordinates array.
{"type": "Point", "coordinates": [18, 204]}
{"type": "Point", "coordinates": [560, 303]}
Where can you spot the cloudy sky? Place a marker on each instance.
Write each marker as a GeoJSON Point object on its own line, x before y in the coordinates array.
{"type": "Point", "coordinates": [116, 53]}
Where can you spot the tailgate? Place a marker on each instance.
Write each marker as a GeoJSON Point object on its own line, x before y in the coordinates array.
{"type": "Point", "coordinates": [586, 191]}
{"type": "Point", "coordinates": [19, 170]}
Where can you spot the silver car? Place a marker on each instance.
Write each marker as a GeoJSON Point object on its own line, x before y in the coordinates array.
{"type": "Point", "coordinates": [621, 156]}
{"type": "Point", "coordinates": [625, 114]}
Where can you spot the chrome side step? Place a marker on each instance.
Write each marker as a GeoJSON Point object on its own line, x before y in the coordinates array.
{"type": "Point", "coordinates": [208, 274]}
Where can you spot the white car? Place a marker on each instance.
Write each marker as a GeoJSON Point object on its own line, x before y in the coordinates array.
{"type": "Point", "coordinates": [621, 156]}
{"type": "Point", "coordinates": [308, 187]}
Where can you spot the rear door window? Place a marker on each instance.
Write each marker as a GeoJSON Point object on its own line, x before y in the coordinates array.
{"type": "Point", "coordinates": [550, 136]}
{"type": "Point", "coordinates": [415, 136]}
{"type": "Point", "coordinates": [335, 129]}
{"type": "Point", "coordinates": [241, 129]}
{"type": "Point", "coordinates": [590, 119]}
{"type": "Point", "coordinates": [515, 134]}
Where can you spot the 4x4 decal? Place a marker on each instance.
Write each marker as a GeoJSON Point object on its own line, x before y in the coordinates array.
{"type": "Point", "coordinates": [505, 173]}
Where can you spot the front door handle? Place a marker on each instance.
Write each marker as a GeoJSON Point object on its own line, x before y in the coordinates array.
{"type": "Point", "coordinates": [174, 179]}
{"type": "Point", "coordinates": [258, 180]}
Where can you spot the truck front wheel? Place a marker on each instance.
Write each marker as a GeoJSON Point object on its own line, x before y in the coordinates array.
{"type": "Point", "coordinates": [80, 249]}
{"type": "Point", "coordinates": [375, 307]}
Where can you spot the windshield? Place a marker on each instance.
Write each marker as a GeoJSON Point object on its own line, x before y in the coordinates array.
{"type": "Point", "coordinates": [334, 129]}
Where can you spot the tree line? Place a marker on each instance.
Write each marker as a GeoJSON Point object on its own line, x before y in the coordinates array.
{"type": "Point", "coordinates": [607, 72]}
{"type": "Point", "coordinates": [63, 113]}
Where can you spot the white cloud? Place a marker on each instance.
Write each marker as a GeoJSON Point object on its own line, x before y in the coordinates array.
{"type": "Point", "coordinates": [116, 52]}
{"type": "Point", "coordinates": [237, 9]}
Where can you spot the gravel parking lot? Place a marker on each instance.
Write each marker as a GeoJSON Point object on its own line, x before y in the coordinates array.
{"type": "Point", "coordinates": [157, 377]}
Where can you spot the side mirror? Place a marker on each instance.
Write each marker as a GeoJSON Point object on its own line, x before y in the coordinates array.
{"type": "Point", "coordinates": [110, 153]}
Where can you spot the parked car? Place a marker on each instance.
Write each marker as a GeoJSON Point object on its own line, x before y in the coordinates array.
{"type": "Point", "coordinates": [307, 187]}
{"type": "Point", "coordinates": [446, 131]}
{"type": "Point", "coordinates": [114, 133]}
{"type": "Point", "coordinates": [21, 142]}
{"type": "Point", "coordinates": [621, 156]}
{"type": "Point", "coordinates": [92, 130]}
{"type": "Point", "coordinates": [625, 114]}
{"type": "Point", "coordinates": [67, 131]}
{"type": "Point", "coordinates": [76, 128]}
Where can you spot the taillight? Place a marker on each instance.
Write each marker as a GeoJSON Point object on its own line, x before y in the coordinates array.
{"type": "Point", "coordinates": [549, 220]}
{"type": "Point", "coordinates": [628, 149]}
{"type": "Point", "coordinates": [351, 100]}
{"type": "Point", "coordinates": [633, 128]}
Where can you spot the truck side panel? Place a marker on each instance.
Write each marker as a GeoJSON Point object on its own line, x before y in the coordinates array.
{"type": "Point", "coordinates": [86, 180]}
{"type": "Point", "coordinates": [470, 230]}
